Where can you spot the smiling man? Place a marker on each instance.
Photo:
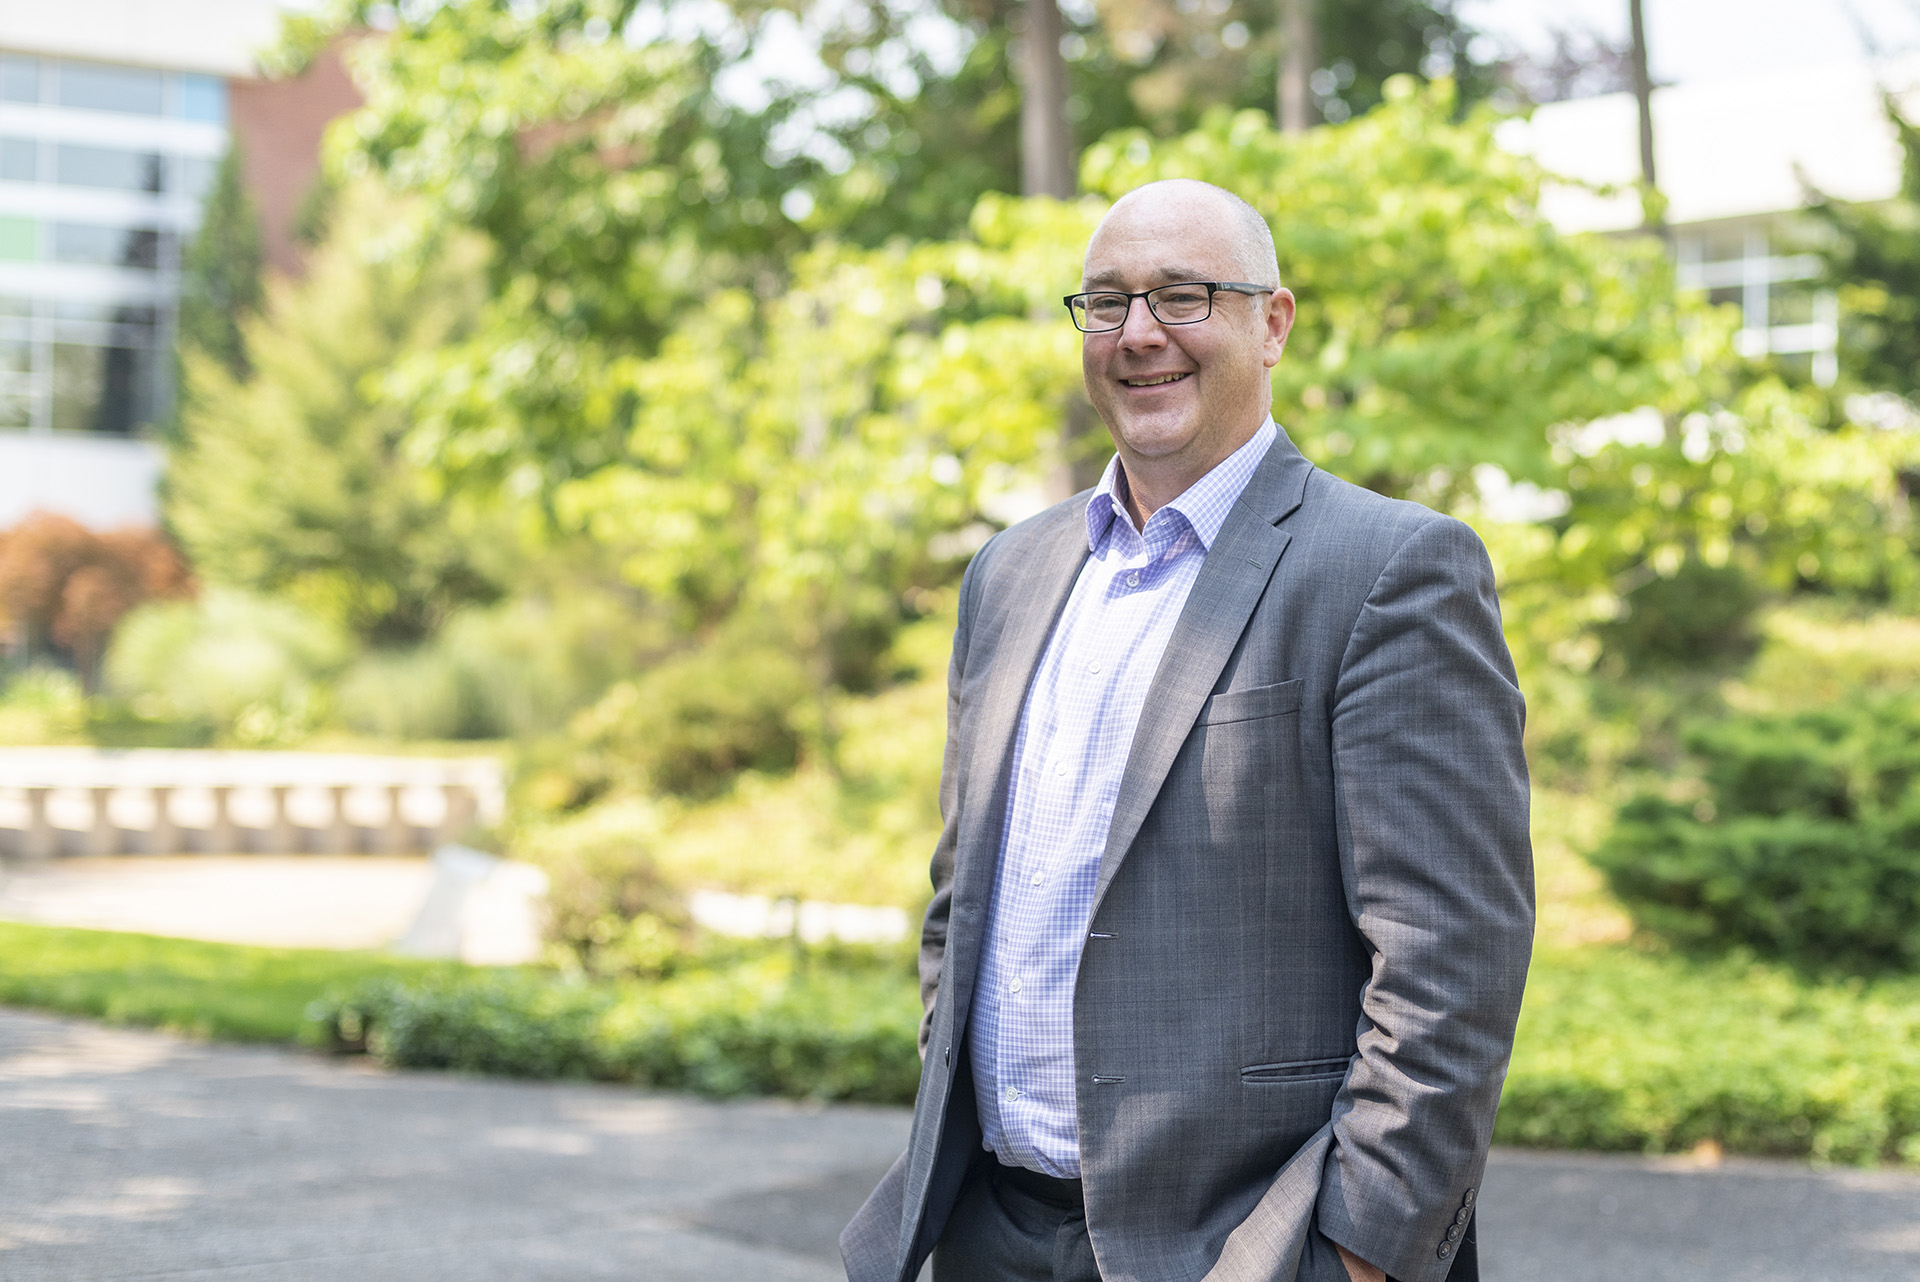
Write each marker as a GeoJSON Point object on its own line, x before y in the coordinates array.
{"type": "Point", "coordinates": [1233, 900]}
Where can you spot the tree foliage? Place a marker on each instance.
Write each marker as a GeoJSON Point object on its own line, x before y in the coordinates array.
{"type": "Point", "coordinates": [298, 479]}
{"type": "Point", "coordinates": [64, 587]}
{"type": "Point", "coordinates": [221, 272]}
{"type": "Point", "coordinates": [1874, 262]}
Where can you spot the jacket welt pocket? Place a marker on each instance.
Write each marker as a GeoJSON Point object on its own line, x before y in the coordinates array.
{"type": "Point", "coordinates": [1252, 703]}
{"type": "Point", "coordinates": [1299, 1070]}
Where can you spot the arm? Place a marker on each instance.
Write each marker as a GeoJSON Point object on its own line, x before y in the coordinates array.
{"type": "Point", "coordinates": [1431, 810]}
{"type": "Point", "coordinates": [933, 930]}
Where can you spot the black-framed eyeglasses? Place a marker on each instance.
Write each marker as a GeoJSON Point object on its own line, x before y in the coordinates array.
{"type": "Point", "coordinates": [1186, 303]}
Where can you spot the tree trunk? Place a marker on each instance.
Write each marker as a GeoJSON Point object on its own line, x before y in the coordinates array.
{"type": "Point", "coordinates": [1298, 53]}
{"type": "Point", "coordinates": [1046, 140]}
{"type": "Point", "coordinates": [1643, 96]}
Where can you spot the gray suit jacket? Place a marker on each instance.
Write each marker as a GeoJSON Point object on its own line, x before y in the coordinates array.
{"type": "Point", "coordinates": [1313, 916]}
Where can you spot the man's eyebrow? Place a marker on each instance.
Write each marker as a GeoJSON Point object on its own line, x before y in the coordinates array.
{"type": "Point", "coordinates": [1110, 278]}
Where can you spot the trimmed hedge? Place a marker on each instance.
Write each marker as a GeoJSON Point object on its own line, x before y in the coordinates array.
{"type": "Point", "coordinates": [1617, 1049]}
{"type": "Point", "coordinates": [1625, 1050]}
{"type": "Point", "coordinates": [759, 1028]}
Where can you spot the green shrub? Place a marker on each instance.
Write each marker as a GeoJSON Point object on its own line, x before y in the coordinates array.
{"type": "Point", "coordinates": [1804, 847]}
{"type": "Point", "coordinates": [1619, 1049]}
{"type": "Point", "coordinates": [516, 669]}
{"type": "Point", "coordinates": [693, 722]}
{"type": "Point", "coordinates": [42, 705]}
{"type": "Point", "coordinates": [609, 908]}
{"type": "Point", "coordinates": [753, 1028]}
{"type": "Point", "coordinates": [1701, 615]}
{"type": "Point", "coordinates": [411, 694]}
{"type": "Point", "coordinates": [256, 667]}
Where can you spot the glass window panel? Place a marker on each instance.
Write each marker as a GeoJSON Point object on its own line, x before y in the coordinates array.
{"type": "Point", "coordinates": [19, 160]}
{"type": "Point", "coordinates": [11, 307]}
{"type": "Point", "coordinates": [19, 239]}
{"type": "Point", "coordinates": [131, 90]}
{"type": "Point", "coordinates": [203, 98]}
{"type": "Point", "coordinates": [136, 247]}
{"type": "Point", "coordinates": [101, 389]}
{"type": "Point", "coordinates": [19, 79]}
{"type": "Point", "coordinates": [16, 358]}
{"type": "Point", "coordinates": [114, 167]}
{"type": "Point", "coordinates": [1729, 294]}
{"type": "Point", "coordinates": [14, 411]}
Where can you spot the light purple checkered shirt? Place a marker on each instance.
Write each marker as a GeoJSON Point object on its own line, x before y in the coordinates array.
{"type": "Point", "coordinates": [1075, 734]}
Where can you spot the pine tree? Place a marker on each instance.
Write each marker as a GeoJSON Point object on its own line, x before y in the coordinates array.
{"type": "Point", "coordinates": [221, 272]}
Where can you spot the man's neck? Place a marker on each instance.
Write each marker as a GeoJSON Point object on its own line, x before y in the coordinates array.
{"type": "Point", "coordinates": [1147, 485]}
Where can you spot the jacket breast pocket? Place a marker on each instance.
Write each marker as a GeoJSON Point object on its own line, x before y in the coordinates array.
{"type": "Point", "coordinates": [1299, 1070]}
{"type": "Point", "coordinates": [1252, 703]}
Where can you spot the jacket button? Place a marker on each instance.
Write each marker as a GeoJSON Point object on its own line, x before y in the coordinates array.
{"type": "Point", "coordinates": [1462, 1217]}
{"type": "Point", "coordinates": [1468, 1199]}
{"type": "Point", "coordinates": [1453, 1234]}
{"type": "Point", "coordinates": [947, 1056]}
{"type": "Point", "coordinates": [1446, 1249]}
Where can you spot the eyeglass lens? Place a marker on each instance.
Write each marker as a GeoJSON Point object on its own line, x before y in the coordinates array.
{"type": "Point", "coordinates": [1172, 304]}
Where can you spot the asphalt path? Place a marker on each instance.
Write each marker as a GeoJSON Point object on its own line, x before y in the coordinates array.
{"type": "Point", "coordinates": [129, 1154]}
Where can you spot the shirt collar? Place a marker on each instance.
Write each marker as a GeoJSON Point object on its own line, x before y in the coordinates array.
{"type": "Point", "coordinates": [1204, 504]}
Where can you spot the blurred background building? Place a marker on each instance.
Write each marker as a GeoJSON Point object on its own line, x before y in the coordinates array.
{"type": "Point", "coordinates": [114, 118]}
{"type": "Point", "coordinates": [1737, 159]}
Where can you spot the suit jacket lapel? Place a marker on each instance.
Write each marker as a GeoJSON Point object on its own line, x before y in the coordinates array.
{"type": "Point", "coordinates": [1232, 579]}
{"type": "Point", "coordinates": [1043, 586]}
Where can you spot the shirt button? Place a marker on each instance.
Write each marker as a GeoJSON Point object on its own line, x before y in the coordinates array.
{"type": "Point", "coordinates": [1038, 878]}
{"type": "Point", "coordinates": [1012, 1094]}
{"type": "Point", "coordinates": [1133, 580]}
{"type": "Point", "coordinates": [1094, 667]}
{"type": "Point", "coordinates": [1060, 767]}
{"type": "Point", "coordinates": [1015, 985]}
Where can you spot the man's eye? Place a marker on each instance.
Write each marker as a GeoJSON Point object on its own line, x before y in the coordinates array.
{"type": "Point", "coordinates": [1181, 298]}
{"type": "Point", "coordinates": [1107, 306]}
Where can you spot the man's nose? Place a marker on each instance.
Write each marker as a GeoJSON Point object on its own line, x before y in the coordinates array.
{"type": "Point", "coordinates": [1142, 327]}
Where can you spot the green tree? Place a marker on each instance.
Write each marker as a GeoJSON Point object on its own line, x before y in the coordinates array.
{"type": "Point", "coordinates": [1874, 263]}
{"type": "Point", "coordinates": [221, 272]}
{"type": "Point", "coordinates": [297, 480]}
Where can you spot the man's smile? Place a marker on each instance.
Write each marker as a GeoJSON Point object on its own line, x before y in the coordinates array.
{"type": "Point", "coordinates": [1153, 380]}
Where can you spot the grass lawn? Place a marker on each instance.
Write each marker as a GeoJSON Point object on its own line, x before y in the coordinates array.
{"type": "Point", "coordinates": [206, 990]}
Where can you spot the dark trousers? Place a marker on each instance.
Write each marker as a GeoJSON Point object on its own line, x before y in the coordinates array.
{"type": "Point", "coordinates": [1013, 1225]}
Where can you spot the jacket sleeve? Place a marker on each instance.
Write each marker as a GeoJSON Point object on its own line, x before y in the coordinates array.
{"type": "Point", "coordinates": [1430, 796]}
{"type": "Point", "coordinates": [933, 929]}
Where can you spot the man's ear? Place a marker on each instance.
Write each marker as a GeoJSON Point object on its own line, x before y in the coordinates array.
{"type": "Point", "coordinates": [1279, 319]}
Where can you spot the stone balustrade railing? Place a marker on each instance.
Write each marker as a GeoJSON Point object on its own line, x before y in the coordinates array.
{"type": "Point", "coordinates": [75, 801]}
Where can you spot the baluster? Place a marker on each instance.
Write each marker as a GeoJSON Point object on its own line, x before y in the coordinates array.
{"type": "Point", "coordinates": [340, 834]}
{"type": "Point", "coordinates": [40, 841]}
{"type": "Point", "coordinates": [223, 838]}
{"type": "Point", "coordinates": [164, 837]}
{"type": "Point", "coordinates": [397, 837]}
{"type": "Point", "coordinates": [281, 839]}
{"type": "Point", "coordinates": [101, 837]}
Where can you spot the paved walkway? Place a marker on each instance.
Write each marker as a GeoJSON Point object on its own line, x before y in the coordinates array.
{"type": "Point", "coordinates": [130, 1154]}
{"type": "Point", "coordinates": [291, 901]}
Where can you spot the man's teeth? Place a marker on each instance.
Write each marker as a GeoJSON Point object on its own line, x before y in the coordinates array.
{"type": "Point", "coordinates": [1152, 382]}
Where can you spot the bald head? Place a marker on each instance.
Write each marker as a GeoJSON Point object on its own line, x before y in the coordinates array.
{"type": "Point", "coordinates": [1250, 238]}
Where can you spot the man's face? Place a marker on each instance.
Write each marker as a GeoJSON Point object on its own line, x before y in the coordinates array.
{"type": "Point", "coordinates": [1185, 396]}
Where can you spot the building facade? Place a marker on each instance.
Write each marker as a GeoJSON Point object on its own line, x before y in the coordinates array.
{"type": "Point", "coordinates": [1738, 162]}
{"type": "Point", "coordinates": [114, 118]}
